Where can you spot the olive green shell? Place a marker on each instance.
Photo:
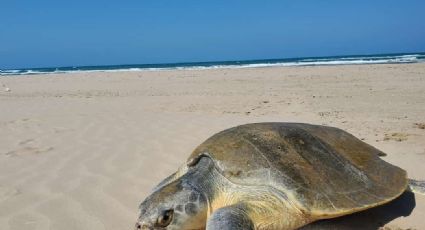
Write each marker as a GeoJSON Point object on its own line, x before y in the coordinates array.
{"type": "Point", "coordinates": [325, 171]}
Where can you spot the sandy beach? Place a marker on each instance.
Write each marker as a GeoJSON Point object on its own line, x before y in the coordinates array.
{"type": "Point", "coordinates": [82, 150]}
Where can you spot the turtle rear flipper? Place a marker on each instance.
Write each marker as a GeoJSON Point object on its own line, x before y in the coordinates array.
{"type": "Point", "coordinates": [417, 186]}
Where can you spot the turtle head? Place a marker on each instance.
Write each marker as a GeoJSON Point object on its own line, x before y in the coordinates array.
{"type": "Point", "coordinates": [176, 205]}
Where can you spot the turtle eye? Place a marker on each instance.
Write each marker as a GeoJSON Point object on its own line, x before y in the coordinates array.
{"type": "Point", "coordinates": [165, 218]}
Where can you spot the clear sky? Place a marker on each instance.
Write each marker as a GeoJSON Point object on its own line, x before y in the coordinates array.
{"type": "Point", "coordinates": [49, 33]}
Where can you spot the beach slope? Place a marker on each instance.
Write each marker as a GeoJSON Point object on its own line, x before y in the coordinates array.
{"type": "Point", "coordinates": [82, 150]}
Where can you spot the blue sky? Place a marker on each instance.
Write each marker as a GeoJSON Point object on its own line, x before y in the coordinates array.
{"type": "Point", "coordinates": [48, 33]}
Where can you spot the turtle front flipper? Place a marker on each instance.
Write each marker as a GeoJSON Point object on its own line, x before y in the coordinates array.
{"type": "Point", "coordinates": [230, 218]}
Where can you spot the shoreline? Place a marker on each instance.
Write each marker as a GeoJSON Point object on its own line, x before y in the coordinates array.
{"type": "Point", "coordinates": [125, 71]}
{"type": "Point", "coordinates": [397, 58]}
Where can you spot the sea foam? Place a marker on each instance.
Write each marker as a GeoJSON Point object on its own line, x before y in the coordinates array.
{"type": "Point", "coordinates": [309, 61]}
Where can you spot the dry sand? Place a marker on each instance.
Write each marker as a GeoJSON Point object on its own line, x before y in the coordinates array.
{"type": "Point", "coordinates": [80, 151]}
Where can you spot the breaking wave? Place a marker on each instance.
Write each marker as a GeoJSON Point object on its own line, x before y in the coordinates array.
{"type": "Point", "coordinates": [309, 61]}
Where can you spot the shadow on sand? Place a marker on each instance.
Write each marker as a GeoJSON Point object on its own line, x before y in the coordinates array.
{"type": "Point", "coordinates": [371, 219]}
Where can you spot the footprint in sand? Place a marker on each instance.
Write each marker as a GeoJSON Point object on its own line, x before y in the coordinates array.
{"type": "Point", "coordinates": [420, 125]}
{"type": "Point", "coordinates": [28, 151]}
{"type": "Point", "coordinates": [396, 137]}
{"type": "Point", "coordinates": [24, 142]}
{"type": "Point", "coordinates": [7, 192]}
{"type": "Point", "coordinates": [28, 147]}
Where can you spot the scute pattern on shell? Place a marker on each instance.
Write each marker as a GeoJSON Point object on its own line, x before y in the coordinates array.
{"type": "Point", "coordinates": [325, 171]}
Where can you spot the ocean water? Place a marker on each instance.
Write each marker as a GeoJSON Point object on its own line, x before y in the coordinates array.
{"type": "Point", "coordinates": [305, 61]}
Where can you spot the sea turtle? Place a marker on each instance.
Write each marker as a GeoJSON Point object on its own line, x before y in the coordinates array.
{"type": "Point", "coordinates": [272, 176]}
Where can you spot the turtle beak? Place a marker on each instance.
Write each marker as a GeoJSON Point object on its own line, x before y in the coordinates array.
{"type": "Point", "coordinates": [142, 226]}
